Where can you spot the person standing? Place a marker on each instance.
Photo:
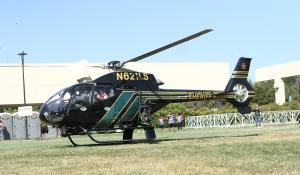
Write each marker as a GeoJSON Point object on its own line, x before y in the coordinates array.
{"type": "Point", "coordinates": [298, 119]}
{"type": "Point", "coordinates": [4, 131]}
{"type": "Point", "coordinates": [161, 123]}
{"type": "Point", "coordinates": [179, 121]}
{"type": "Point", "coordinates": [44, 130]}
{"type": "Point", "coordinates": [257, 114]}
{"type": "Point", "coordinates": [1, 129]}
{"type": "Point", "coordinates": [1, 124]}
{"type": "Point", "coordinates": [171, 121]}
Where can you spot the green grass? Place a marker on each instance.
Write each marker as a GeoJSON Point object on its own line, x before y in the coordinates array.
{"type": "Point", "coordinates": [267, 150]}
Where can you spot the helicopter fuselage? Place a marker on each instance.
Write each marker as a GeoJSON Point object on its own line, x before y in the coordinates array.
{"type": "Point", "coordinates": [127, 95]}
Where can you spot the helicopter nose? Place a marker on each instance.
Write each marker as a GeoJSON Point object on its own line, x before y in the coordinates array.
{"type": "Point", "coordinates": [43, 114]}
{"type": "Point", "coordinates": [51, 114]}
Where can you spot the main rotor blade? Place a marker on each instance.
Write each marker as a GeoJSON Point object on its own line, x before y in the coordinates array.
{"type": "Point", "coordinates": [167, 46]}
{"type": "Point", "coordinates": [100, 66]}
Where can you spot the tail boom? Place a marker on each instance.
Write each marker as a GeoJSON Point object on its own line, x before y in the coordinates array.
{"type": "Point", "coordinates": [238, 90]}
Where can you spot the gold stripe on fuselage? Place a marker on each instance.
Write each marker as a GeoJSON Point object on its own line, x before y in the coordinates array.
{"type": "Point", "coordinates": [240, 73]}
{"type": "Point", "coordinates": [239, 76]}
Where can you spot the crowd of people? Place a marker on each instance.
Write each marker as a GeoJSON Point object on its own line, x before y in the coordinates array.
{"type": "Point", "coordinates": [171, 122]}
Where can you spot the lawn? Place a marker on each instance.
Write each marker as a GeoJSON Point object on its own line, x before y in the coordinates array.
{"type": "Point", "coordinates": [266, 150]}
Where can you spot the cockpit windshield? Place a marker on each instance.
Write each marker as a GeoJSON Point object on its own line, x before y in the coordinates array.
{"type": "Point", "coordinates": [55, 97]}
{"type": "Point", "coordinates": [55, 106]}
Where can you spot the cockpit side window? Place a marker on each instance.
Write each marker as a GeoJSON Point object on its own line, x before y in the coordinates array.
{"type": "Point", "coordinates": [81, 96]}
{"type": "Point", "coordinates": [103, 93]}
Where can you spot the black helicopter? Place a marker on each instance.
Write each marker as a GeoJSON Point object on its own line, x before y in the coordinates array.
{"type": "Point", "coordinates": [124, 100]}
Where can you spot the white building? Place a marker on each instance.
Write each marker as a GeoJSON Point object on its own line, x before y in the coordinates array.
{"type": "Point", "coordinates": [276, 73]}
{"type": "Point", "coordinates": [43, 80]}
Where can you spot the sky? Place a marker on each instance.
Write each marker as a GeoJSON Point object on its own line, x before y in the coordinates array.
{"type": "Point", "coordinates": [54, 31]}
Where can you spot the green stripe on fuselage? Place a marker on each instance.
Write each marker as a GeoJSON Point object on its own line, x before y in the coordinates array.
{"type": "Point", "coordinates": [115, 109]}
{"type": "Point", "coordinates": [132, 110]}
{"type": "Point", "coordinates": [145, 96]}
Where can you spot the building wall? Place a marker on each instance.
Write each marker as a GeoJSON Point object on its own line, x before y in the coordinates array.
{"type": "Point", "coordinates": [43, 80]}
{"type": "Point", "coordinates": [276, 73]}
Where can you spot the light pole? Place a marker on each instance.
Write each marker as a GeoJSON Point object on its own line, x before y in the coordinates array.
{"type": "Point", "coordinates": [22, 54]}
{"type": "Point", "coordinates": [298, 81]}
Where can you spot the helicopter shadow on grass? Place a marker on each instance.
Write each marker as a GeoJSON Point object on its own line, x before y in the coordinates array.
{"type": "Point", "coordinates": [156, 141]}
{"type": "Point", "coordinates": [205, 137]}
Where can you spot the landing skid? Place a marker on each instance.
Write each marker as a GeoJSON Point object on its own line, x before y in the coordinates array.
{"type": "Point", "coordinates": [113, 142]}
{"type": "Point", "coordinates": [127, 138]}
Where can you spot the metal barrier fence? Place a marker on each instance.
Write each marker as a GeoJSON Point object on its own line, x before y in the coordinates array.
{"type": "Point", "coordinates": [16, 126]}
{"type": "Point", "coordinates": [238, 120]}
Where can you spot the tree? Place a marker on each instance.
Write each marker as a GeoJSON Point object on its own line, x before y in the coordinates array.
{"type": "Point", "coordinates": [265, 92]}
{"type": "Point", "coordinates": [291, 86]}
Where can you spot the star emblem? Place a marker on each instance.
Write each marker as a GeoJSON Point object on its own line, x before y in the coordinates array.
{"type": "Point", "coordinates": [244, 66]}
